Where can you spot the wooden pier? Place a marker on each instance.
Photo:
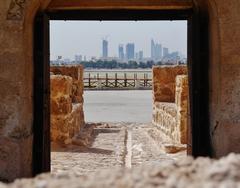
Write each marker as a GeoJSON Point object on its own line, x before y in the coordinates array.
{"type": "Point", "coordinates": [116, 82]}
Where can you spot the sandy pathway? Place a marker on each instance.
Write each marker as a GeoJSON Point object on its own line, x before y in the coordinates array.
{"type": "Point", "coordinates": [113, 145]}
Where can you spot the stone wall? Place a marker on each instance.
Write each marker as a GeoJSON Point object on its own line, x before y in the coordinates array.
{"type": "Point", "coordinates": [16, 78]}
{"type": "Point", "coordinates": [182, 102]}
{"type": "Point", "coordinates": [67, 115]}
{"type": "Point", "coordinates": [165, 118]}
{"type": "Point", "coordinates": [76, 73]}
{"type": "Point", "coordinates": [164, 82]}
{"type": "Point", "coordinates": [170, 105]}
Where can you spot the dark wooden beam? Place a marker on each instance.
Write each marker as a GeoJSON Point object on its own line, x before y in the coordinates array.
{"type": "Point", "coordinates": [119, 4]}
{"type": "Point", "coordinates": [122, 14]}
{"type": "Point", "coordinates": [41, 123]}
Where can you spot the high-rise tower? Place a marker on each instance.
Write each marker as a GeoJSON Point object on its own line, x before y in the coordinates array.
{"type": "Point", "coordinates": [156, 50]}
{"type": "Point", "coordinates": [152, 49]}
{"type": "Point", "coordinates": [130, 51]}
{"type": "Point", "coordinates": [104, 48]}
{"type": "Point", "coordinates": [165, 52]}
{"type": "Point", "coordinates": [120, 52]}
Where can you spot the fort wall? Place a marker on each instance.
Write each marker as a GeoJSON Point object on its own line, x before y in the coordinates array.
{"type": "Point", "coordinates": [67, 116]}
{"type": "Point", "coordinates": [170, 102]}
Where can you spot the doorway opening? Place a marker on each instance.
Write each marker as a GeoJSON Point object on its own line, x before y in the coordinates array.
{"type": "Point", "coordinates": [95, 15]}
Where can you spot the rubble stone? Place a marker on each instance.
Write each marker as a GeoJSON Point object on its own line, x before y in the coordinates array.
{"type": "Point", "coordinates": [186, 173]}
{"type": "Point", "coordinates": [67, 115]}
{"type": "Point", "coordinates": [76, 73]}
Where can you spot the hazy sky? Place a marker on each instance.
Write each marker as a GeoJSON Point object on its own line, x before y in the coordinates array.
{"type": "Point", "coordinates": [69, 38]}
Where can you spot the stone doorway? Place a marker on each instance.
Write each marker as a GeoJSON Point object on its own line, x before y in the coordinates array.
{"type": "Point", "coordinates": [42, 141]}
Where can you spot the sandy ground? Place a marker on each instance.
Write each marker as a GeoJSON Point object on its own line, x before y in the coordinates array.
{"type": "Point", "coordinates": [118, 106]}
{"type": "Point", "coordinates": [113, 145]}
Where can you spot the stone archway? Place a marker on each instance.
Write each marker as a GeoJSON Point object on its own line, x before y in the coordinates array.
{"type": "Point", "coordinates": [201, 146]}
{"type": "Point", "coordinates": [16, 80]}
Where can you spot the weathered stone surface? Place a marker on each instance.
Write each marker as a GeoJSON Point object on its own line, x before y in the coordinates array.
{"type": "Point", "coordinates": [16, 55]}
{"type": "Point", "coordinates": [171, 117]}
{"type": "Point", "coordinates": [61, 92]}
{"type": "Point", "coordinates": [164, 82]}
{"type": "Point", "coordinates": [67, 116]}
{"type": "Point", "coordinates": [186, 173]}
{"type": "Point", "coordinates": [76, 119]}
{"type": "Point", "coordinates": [182, 96]}
{"type": "Point", "coordinates": [76, 72]}
{"type": "Point", "coordinates": [170, 148]}
{"type": "Point", "coordinates": [14, 154]}
{"type": "Point", "coordinates": [165, 118]}
{"type": "Point", "coordinates": [61, 85]}
{"type": "Point", "coordinates": [85, 137]}
{"type": "Point", "coordinates": [15, 11]}
{"type": "Point", "coordinates": [61, 105]}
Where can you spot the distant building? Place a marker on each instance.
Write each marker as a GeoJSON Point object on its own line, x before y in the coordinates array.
{"type": "Point", "coordinates": [174, 55]}
{"type": "Point", "coordinates": [136, 55]}
{"type": "Point", "coordinates": [104, 48]}
{"type": "Point", "coordinates": [67, 61]}
{"type": "Point", "coordinates": [120, 52]}
{"type": "Point", "coordinates": [130, 51]}
{"type": "Point", "coordinates": [78, 58]}
{"type": "Point", "coordinates": [152, 49]}
{"type": "Point", "coordinates": [156, 50]}
{"type": "Point", "coordinates": [140, 55]}
{"type": "Point", "coordinates": [165, 52]}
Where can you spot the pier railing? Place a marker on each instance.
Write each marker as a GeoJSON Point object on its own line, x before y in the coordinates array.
{"type": "Point", "coordinates": [116, 82]}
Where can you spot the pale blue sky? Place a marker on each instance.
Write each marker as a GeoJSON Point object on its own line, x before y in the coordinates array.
{"type": "Point", "coordinates": [85, 37]}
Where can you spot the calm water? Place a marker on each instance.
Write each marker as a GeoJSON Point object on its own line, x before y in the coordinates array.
{"type": "Point", "coordinates": [118, 106]}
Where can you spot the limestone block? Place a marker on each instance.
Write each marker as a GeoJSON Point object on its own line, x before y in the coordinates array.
{"type": "Point", "coordinates": [76, 120]}
{"type": "Point", "coordinates": [171, 118]}
{"type": "Point", "coordinates": [77, 91]}
{"type": "Point", "coordinates": [60, 85]}
{"type": "Point", "coordinates": [67, 116]}
{"type": "Point", "coordinates": [59, 128]}
{"type": "Point", "coordinates": [164, 82]}
{"type": "Point", "coordinates": [61, 105]}
{"type": "Point", "coordinates": [61, 92]}
{"type": "Point", "coordinates": [182, 93]}
{"type": "Point", "coordinates": [76, 73]}
{"type": "Point", "coordinates": [64, 127]}
{"type": "Point", "coordinates": [165, 115]}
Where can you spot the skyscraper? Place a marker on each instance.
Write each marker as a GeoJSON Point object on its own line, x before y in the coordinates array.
{"type": "Point", "coordinates": [156, 50]}
{"type": "Point", "coordinates": [152, 49]}
{"type": "Point", "coordinates": [104, 48]}
{"type": "Point", "coordinates": [165, 52]}
{"type": "Point", "coordinates": [140, 55]}
{"type": "Point", "coordinates": [120, 52]}
{"type": "Point", "coordinates": [136, 55]}
{"type": "Point", "coordinates": [130, 51]}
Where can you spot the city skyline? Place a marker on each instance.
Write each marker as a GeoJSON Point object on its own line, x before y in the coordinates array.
{"type": "Point", "coordinates": [89, 44]}
{"type": "Point", "coordinates": [158, 52]}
